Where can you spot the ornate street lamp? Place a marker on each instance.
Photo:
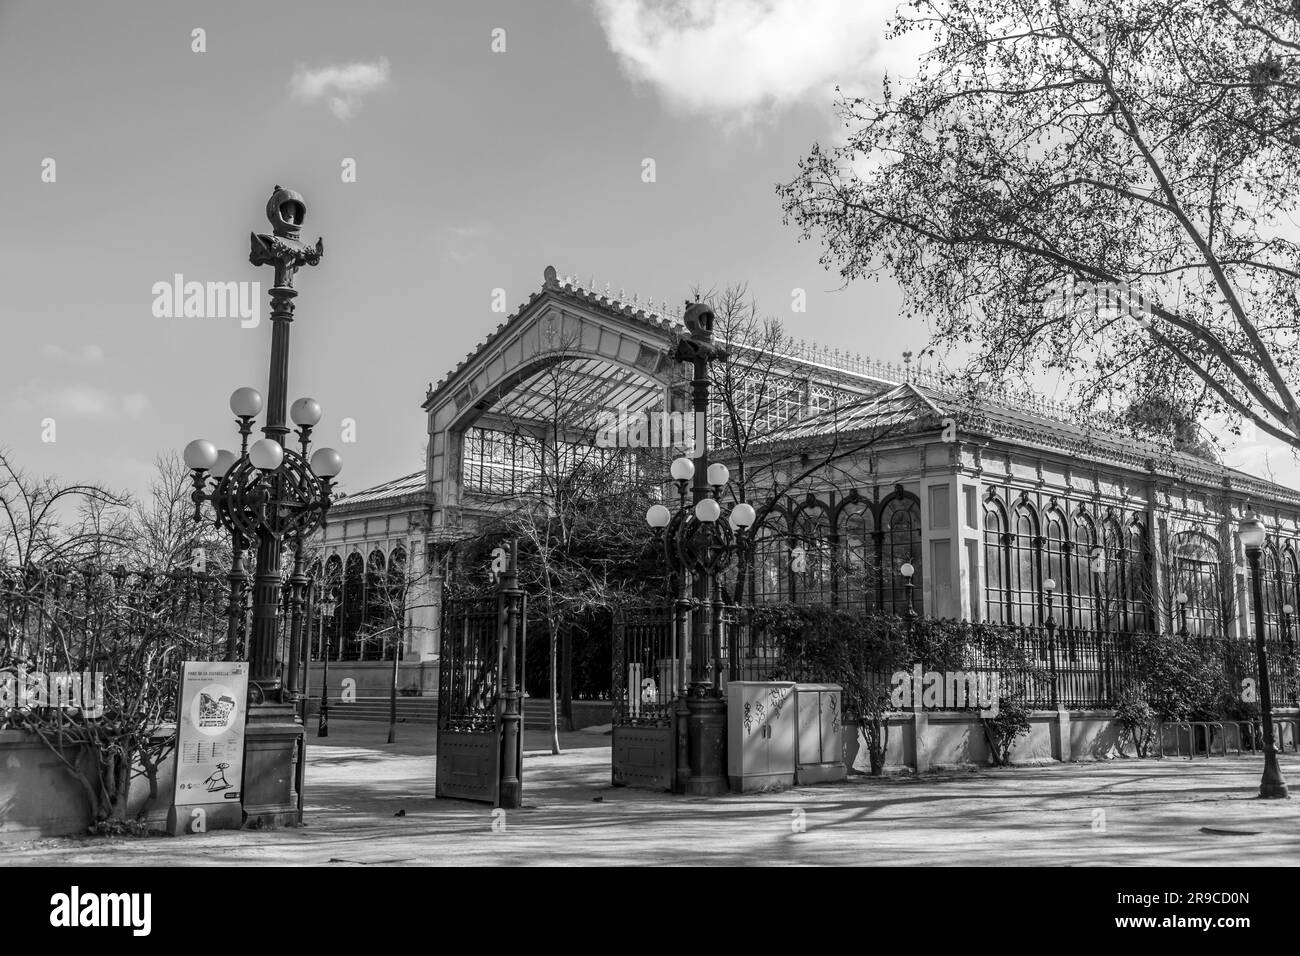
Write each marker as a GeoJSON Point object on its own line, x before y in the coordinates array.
{"type": "Point", "coordinates": [699, 546]}
{"type": "Point", "coordinates": [1287, 611]}
{"type": "Point", "coordinates": [270, 495]}
{"type": "Point", "coordinates": [269, 492]}
{"type": "Point", "coordinates": [1181, 598]}
{"type": "Point", "coordinates": [323, 721]}
{"type": "Point", "coordinates": [1049, 587]}
{"type": "Point", "coordinates": [1251, 531]}
{"type": "Point", "coordinates": [906, 570]}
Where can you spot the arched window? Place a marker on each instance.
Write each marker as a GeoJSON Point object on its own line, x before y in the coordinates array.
{"type": "Point", "coordinates": [860, 569]}
{"type": "Point", "coordinates": [900, 543]}
{"type": "Point", "coordinates": [1055, 565]}
{"type": "Point", "coordinates": [1109, 570]}
{"type": "Point", "coordinates": [1271, 583]}
{"type": "Point", "coordinates": [353, 608]}
{"type": "Point", "coordinates": [378, 613]}
{"type": "Point", "coordinates": [397, 593]}
{"type": "Point", "coordinates": [1197, 574]}
{"type": "Point", "coordinates": [1024, 581]}
{"type": "Point", "coordinates": [767, 575]}
{"type": "Point", "coordinates": [996, 609]}
{"type": "Point", "coordinates": [331, 589]}
{"type": "Point", "coordinates": [1290, 580]}
{"type": "Point", "coordinates": [810, 558]}
{"type": "Point", "coordinates": [1083, 579]}
{"type": "Point", "coordinates": [1137, 578]}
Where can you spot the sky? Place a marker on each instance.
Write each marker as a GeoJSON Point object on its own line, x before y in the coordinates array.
{"type": "Point", "coordinates": [488, 140]}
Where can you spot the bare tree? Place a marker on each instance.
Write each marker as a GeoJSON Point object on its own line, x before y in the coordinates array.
{"type": "Point", "coordinates": [47, 521]}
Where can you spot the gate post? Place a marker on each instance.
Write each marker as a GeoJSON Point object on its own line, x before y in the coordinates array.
{"type": "Point", "coordinates": [512, 789]}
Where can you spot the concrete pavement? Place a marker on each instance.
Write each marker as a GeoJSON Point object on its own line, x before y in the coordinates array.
{"type": "Point", "coordinates": [1123, 812]}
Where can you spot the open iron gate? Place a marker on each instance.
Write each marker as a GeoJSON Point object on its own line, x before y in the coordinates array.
{"type": "Point", "coordinates": [476, 747]}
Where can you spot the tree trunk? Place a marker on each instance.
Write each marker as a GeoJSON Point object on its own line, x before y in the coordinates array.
{"type": "Point", "coordinates": [555, 696]}
{"type": "Point", "coordinates": [566, 677]}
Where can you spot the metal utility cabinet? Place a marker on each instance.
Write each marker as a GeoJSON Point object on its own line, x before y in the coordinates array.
{"type": "Point", "coordinates": [761, 726]}
{"type": "Point", "coordinates": [820, 756]}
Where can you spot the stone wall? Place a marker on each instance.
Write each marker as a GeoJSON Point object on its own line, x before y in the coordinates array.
{"type": "Point", "coordinates": [40, 797]}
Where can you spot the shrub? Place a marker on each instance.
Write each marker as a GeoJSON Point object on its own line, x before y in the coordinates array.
{"type": "Point", "coordinates": [1138, 720]}
{"type": "Point", "coordinates": [1006, 726]}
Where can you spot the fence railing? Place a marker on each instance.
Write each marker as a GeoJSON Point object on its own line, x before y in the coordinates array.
{"type": "Point", "coordinates": [1070, 668]}
{"type": "Point", "coordinates": [135, 627]}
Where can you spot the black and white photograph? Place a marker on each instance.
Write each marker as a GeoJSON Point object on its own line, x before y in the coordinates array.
{"type": "Point", "coordinates": [650, 433]}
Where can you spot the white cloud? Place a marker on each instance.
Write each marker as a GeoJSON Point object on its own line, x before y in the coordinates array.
{"type": "Point", "coordinates": [78, 400]}
{"type": "Point", "coordinates": [342, 87]}
{"type": "Point", "coordinates": [748, 59]}
{"type": "Point", "coordinates": [86, 354]}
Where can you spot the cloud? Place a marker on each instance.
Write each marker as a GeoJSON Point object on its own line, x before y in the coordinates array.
{"type": "Point", "coordinates": [88, 354]}
{"type": "Point", "coordinates": [750, 59]}
{"type": "Point", "coordinates": [78, 401]}
{"type": "Point", "coordinates": [342, 87]}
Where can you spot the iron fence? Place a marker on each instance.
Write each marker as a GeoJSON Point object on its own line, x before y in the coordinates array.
{"type": "Point", "coordinates": [1060, 667]}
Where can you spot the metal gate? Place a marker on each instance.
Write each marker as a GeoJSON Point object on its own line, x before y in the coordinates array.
{"type": "Point", "coordinates": [651, 672]}
{"type": "Point", "coordinates": [476, 700]}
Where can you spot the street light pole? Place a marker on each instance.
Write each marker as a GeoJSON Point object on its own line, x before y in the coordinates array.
{"type": "Point", "coordinates": [1251, 530]}
{"type": "Point", "coordinates": [1049, 586]}
{"type": "Point", "coordinates": [323, 718]}
{"type": "Point", "coordinates": [269, 494]}
{"type": "Point", "coordinates": [907, 570]}
{"type": "Point", "coordinates": [699, 544]}
{"type": "Point", "coordinates": [1181, 598]}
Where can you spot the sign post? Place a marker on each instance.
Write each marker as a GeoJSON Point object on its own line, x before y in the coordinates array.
{"type": "Point", "coordinates": [210, 721]}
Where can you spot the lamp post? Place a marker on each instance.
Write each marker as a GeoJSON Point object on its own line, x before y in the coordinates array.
{"type": "Point", "coordinates": [270, 495]}
{"type": "Point", "coordinates": [1049, 587]}
{"type": "Point", "coordinates": [323, 718]}
{"type": "Point", "coordinates": [1251, 531]}
{"type": "Point", "coordinates": [1181, 598]}
{"type": "Point", "coordinates": [1287, 611]}
{"type": "Point", "coordinates": [906, 570]}
{"type": "Point", "coordinates": [698, 545]}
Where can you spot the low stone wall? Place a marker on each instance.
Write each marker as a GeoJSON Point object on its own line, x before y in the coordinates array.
{"type": "Point", "coordinates": [936, 739]}
{"type": "Point", "coordinates": [40, 797]}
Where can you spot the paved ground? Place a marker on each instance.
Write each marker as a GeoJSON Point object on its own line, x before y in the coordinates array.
{"type": "Point", "coordinates": [1116, 813]}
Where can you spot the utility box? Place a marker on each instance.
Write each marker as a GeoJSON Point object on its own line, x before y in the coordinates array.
{"type": "Point", "coordinates": [761, 728]}
{"type": "Point", "coordinates": [820, 752]}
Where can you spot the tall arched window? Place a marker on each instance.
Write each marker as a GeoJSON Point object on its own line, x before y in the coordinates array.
{"type": "Point", "coordinates": [1024, 580]}
{"type": "Point", "coordinates": [1055, 565]}
{"type": "Point", "coordinates": [378, 615]}
{"type": "Point", "coordinates": [1272, 592]}
{"type": "Point", "coordinates": [1083, 580]}
{"type": "Point", "coordinates": [397, 593]}
{"type": "Point", "coordinates": [1109, 569]}
{"type": "Point", "coordinates": [900, 543]}
{"type": "Point", "coordinates": [767, 575]}
{"type": "Point", "coordinates": [810, 558]}
{"type": "Point", "coordinates": [996, 610]}
{"type": "Point", "coordinates": [353, 608]}
{"type": "Point", "coordinates": [1290, 579]}
{"type": "Point", "coordinates": [860, 571]}
{"type": "Point", "coordinates": [1197, 574]}
{"type": "Point", "coordinates": [332, 590]}
{"type": "Point", "coordinates": [1137, 578]}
